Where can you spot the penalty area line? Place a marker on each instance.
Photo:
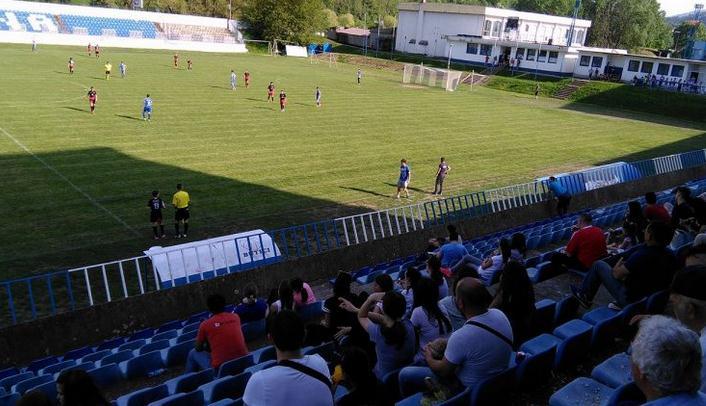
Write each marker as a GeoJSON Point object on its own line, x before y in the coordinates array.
{"type": "Point", "coordinates": [69, 182]}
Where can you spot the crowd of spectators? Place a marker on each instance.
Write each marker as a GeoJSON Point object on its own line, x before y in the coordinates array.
{"type": "Point", "coordinates": [669, 84]}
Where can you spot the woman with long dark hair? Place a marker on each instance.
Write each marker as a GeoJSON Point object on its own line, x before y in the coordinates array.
{"type": "Point", "coordinates": [515, 298]}
{"type": "Point", "coordinates": [518, 247]}
{"type": "Point", "coordinates": [434, 270]}
{"type": "Point", "coordinates": [285, 298]}
{"type": "Point", "coordinates": [429, 321]}
{"type": "Point", "coordinates": [302, 293]}
{"type": "Point", "coordinates": [636, 221]}
{"type": "Point", "coordinates": [76, 388]}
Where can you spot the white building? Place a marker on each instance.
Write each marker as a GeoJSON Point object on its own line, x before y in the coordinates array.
{"type": "Point", "coordinates": [626, 66]}
{"type": "Point", "coordinates": [472, 33]}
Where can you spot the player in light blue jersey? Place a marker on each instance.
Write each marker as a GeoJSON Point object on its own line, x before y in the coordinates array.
{"type": "Point", "coordinates": [147, 108]}
{"type": "Point", "coordinates": [123, 69]}
{"type": "Point", "coordinates": [233, 80]}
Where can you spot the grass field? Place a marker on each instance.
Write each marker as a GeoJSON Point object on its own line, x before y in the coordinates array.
{"type": "Point", "coordinates": [75, 185]}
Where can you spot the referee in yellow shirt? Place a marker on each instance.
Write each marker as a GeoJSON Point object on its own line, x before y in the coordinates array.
{"type": "Point", "coordinates": [180, 200]}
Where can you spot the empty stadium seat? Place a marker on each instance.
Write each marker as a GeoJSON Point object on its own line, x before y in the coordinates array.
{"type": "Point", "coordinates": [581, 391]}
{"type": "Point", "coordinates": [535, 368]}
{"type": "Point", "coordinates": [110, 344]}
{"type": "Point", "coordinates": [106, 376]}
{"type": "Point", "coordinates": [78, 353]}
{"type": "Point", "coordinates": [613, 372]}
{"type": "Point", "coordinates": [227, 402]}
{"type": "Point", "coordinates": [189, 382]}
{"type": "Point", "coordinates": [167, 335]}
{"type": "Point", "coordinates": [141, 335]}
{"type": "Point", "coordinates": [172, 325]}
{"type": "Point", "coordinates": [227, 387]}
{"type": "Point", "coordinates": [8, 372]}
{"type": "Point", "coordinates": [495, 389]}
{"type": "Point", "coordinates": [260, 366]}
{"type": "Point", "coordinates": [132, 345]}
{"type": "Point", "coordinates": [576, 341]}
{"type": "Point", "coordinates": [565, 310]}
{"type": "Point", "coordinates": [190, 327]}
{"type": "Point", "coordinates": [628, 394]}
{"type": "Point", "coordinates": [176, 354]}
{"type": "Point", "coordinates": [22, 386]}
{"type": "Point", "coordinates": [311, 311]}
{"type": "Point", "coordinates": [9, 399]}
{"type": "Point", "coordinates": [96, 356]}
{"type": "Point", "coordinates": [254, 330]}
{"type": "Point", "coordinates": [197, 318]}
{"type": "Point", "coordinates": [54, 368]}
{"type": "Point", "coordinates": [10, 381]}
{"type": "Point", "coordinates": [143, 396]}
{"type": "Point", "coordinates": [153, 346]}
{"type": "Point", "coordinates": [38, 364]}
{"type": "Point", "coordinates": [236, 366]}
{"type": "Point", "coordinates": [181, 399]}
{"type": "Point", "coordinates": [326, 351]}
{"type": "Point", "coordinates": [84, 366]}
{"type": "Point", "coordinates": [264, 354]}
{"type": "Point", "coordinates": [149, 364]}
{"type": "Point", "coordinates": [543, 316]}
{"type": "Point", "coordinates": [413, 400]}
{"type": "Point", "coordinates": [191, 335]}
{"type": "Point", "coordinates": [48, 388]}
{"type": "Point", "coordinates": [607, 325]}
{"type": "Point", "coordinates": [116, 358]}
{"type": "Point", "coordinates": [657, 302]}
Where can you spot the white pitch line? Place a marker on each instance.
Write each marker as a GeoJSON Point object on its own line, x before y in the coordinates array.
{"type": "Point", "coordinates": [65, 179]}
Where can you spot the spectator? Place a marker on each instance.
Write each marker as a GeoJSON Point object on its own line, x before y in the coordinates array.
{"type": "Point", "coordinates": [363, 388]}
{"type": "Point", "coordinates": [449, 254]}
{"type": "Point", "coordinates": [561, 194]}
{"type": "Point", "coordinates": [434, 271]}
{"type": "Point", "coordinates": [251, 308]}
{"type": "Point", "coordinates": [383, 283]}
{"type": "Point", "coordinates": [393, 337]}
{"type": "Point", "coordinates": [408, 280]}
{"type": "Point", "coordinates": [429, 321]}
{"type": "Point", "coordinates": [629, 239]}
{"type": "Point", "coordinates": [682, 210]}
{"type": "Point", "coordinates": [489, 267]}
{"type": "Point", "coordinates": [448, 304]}
{"type": "Point", "coordinates": [688, 300]}
{"type": "Point", "coordinates": [666, 363]}
{"type": "Point", "coordinates": [637, 220]}
{"type": "Point", "coordinates": [340, 323]}
{"type": "Point", "coordinates": [285, 298]}
{"type": "Point", "coordinates": [654, 211]}
{"type": "Point", "coordinates": [518, 246]}
{"type": "Point", "coordinates": [36, 397]}
{"type": "Point", "coordinates": [515, 298]}
{"type": "Point", "coordinates": [302, 293]}
{"type": "Point", "coordinates": [586, 246]}
{"type": "Point", "coordinates": [219, 339]}
{"type": "Point", "coordinates": [453, 234]}
{"type": "Point", "coordinates": [76, 388]}
{"type": "Point", "coordinates": [696, 255]}
{"type": "Point", "coordinates": [488, 330]}
{"type": "Point", "coordinates": [648, 270]}
{"type": "Point", "coordinates": [296, 379]}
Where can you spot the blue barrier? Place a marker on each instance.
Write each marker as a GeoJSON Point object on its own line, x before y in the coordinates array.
{"type": "Point", "coordinates": [52, 293]}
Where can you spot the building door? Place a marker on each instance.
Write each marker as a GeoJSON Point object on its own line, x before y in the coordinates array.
{"type": "Point", "coordinates": [694, 76]}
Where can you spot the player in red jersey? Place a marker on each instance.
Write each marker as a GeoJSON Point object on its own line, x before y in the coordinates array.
{"type": "Point", "coordinates": [271, 92]}
{"type": "Point", "coordinates": [282, 100]}
{"type": "Point", "coordinates": [246, 77]}
{"type": "Point", "coordinates": [176, 60]}
{"type": "Point", "coordinates": [72, 64]}
{"type": "Point", "coordinates": [90, 49]}
{"type": "Point", "coordinates": [92, 98]}
{"type": "Point", "coordinates": [97, 50]}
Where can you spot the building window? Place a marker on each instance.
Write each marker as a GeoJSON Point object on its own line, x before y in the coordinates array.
{"type": "Point", "coordinates": [530, 54]}
{"type": "Point", "coordinates": [647, 67]}
{"type": "Point", "coordinates": [526, 27]}
{"type": "Point", "coordinates": [677, 71]}
{"type": "Point", "coordinates": [553, 56]}
{"type": "Point", "coordinates": [472, 48]}
{"type": "Point", "coordinates": [633, 66]}
{"type": "Point", "coordinates": [496, 29]}
{"type": "Point", "coordinates": [542, 57]}
{"type": "Point", "coordinates": [585, 60]}
{"type": "Point", "coordinates": [597, 62]}
{"type": "Point", "coordinates": [486, 49]}
{"type": "Point", "coordinates": [486, 28]}
{"type": "Point", "coordinates": [579, 37]}
{"type": "Point", "coordinates": [520, 53]}
{"type": "Point", "coordinates": [663, 69]}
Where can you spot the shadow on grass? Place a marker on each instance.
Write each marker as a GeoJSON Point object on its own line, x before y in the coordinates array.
{"type": "Point", "coordinates": [394, 185]}
{"type": "Point", "coordinates": [370, 192]}
{"type": "Point", "coordinates": [128, 117]}
{"type": "Point", "coordinates": [76, 109]}
{"type": "Point", "coordinates": [685, 145]}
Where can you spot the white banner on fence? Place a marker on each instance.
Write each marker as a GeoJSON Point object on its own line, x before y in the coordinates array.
{"type": "Point", "coordinates": [292, 50]}
{"type": "Point", "coordinates": [212, 255]}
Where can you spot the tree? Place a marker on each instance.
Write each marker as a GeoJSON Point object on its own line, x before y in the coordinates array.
{"type": "Point", "coordinates": [389, 21]}
{"type": "Point", "coordinates": [331, 18]}
{"type": "Point", "coordinates": [553, 7]}
{"type": "Point", "coordinates": [167, 6]}
{"type": "Point", "coordinates": [289, 20]}
{"type": "Point", "coordinates": [682, 34]}
{"type": "Point", "coordinates": [346, 20]}
{"type": "Point", "coordinates": [629, 24]}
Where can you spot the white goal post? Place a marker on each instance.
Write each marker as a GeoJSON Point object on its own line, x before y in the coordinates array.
{"type": "Point", "coordinates": [433, 77]}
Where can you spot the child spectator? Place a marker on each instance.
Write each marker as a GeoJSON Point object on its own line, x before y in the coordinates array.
{"type": "Point", "coordinates": [302, 293]}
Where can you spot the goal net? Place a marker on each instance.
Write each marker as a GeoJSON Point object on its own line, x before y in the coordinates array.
{"type": "Point", "coordinates": [433, 77]}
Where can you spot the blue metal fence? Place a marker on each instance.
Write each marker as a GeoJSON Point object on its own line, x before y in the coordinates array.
{"type": "Point", "coordinates": [44, 295]}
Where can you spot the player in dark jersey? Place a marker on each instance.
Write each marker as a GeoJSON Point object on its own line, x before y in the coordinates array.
{"type": "Point", "coordinates": [176, 60]}
{"type": "Point", "coordinates": [90, 49]}
{"type": "Point", "coordinates": [188, 64]}
{"type": "Point", "coordinates": [92, 98]}
{"type": "Point", "coordinates": [156, 205]}
{"type": "Point", "coordinates": [271, 92]}
{"type": "Point", "coordinates": [246, 78]}
{"type": "Point", "coordinates": [97, 50]}
{"type": "Point", "coordinates": [282, 100]}
{"type": "Point", "coordinates": [72, 64]}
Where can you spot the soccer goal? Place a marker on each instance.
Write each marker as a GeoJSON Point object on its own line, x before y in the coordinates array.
{"type": "Point", "coordinates": [433, 77]}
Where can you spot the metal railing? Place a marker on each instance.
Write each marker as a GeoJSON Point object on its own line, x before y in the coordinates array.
{"type": "Point", "coordinates": [29, 298]}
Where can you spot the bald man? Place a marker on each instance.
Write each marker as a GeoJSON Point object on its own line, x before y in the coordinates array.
{"type": "Point", "coordinates": [489, 331]}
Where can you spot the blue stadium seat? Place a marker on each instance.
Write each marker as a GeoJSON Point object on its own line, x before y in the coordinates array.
{"type": "Point", "coordinates": [189, 382]}
{"type": "Point", "coordinates": [172, 325]}
{"type": "Point", "coordinates": [326, 351]}
{"type": "Point", "coordinates": [143, 396]}
{"type": "Point", "coordinates": [535, 368]}
{"type": "Point", "coordinates": [607, 325]}
{"type": "Point", "coordinates": [368, 278]}
{"type": "Point", "coordinates": [9, 399]}
{"type": "Point", "coordinates": [8, 382]}
{"type": "Point", "coordinates": [198, 317]}
{"type": "Point", "coordinates": [38, 364]}
{"type": "Point", "coordinates": [540, 344]}
{"type": "Point", "coordinates": [106, 376]}
{"type": "Point", "coordinates": [116, 358]}
{"type": "Point", "coordinates": [576, 336]}
{"type": "Point", "coordinates": [132, 345]}
{"type": "Point", "coordinates": [167, 335]}
{"type": "Point", "coordinates": [227, 402]}
{"type": "Point", "coordinates": [460, 399]}
{"type": "Point", "coordinates": [96, 356]}
{"type": "Point", "coordinates": [110, 344]}
{"type": "Point", "coordinates": [543, 317]}
{"type": "Point", "coordinates": [311, 311]}
{"type": "Point", "coordinates": [190, 327]}
{"type": "Point", "coordinates": [391, 382]}
{"type": "Point", "coordinates": [260, 366]}
{"type": "Point", "coordinates": [614, 372]}
{"type": "Point", "coordinates": [78, 353]}
{"type": "Point", "coordinates": [494, 390]}
{"type": "Point", "coordinates": [227, 387]}
{"type": "Point", "coordinates": [8, 372]}
{"type": "Point", "coordinates": [581, 391]}
{"type": "Point", "coordinates": [628, 394]}
{"type": "Point", "coordinates": [84, 366]}
{"type": "Point", "coordinates": [153, 346]}
{"type": "Point", "coordinates": [254, 330]}
{"type": "Point", "coordinates": [565, 310]}
{"type": "Point", "coordinates": [264, 354]}
{"type": "Point", "coordinates": [21, 387]}
{"type": "Point", "coordinates": [48, 388]}
{"type": "Point", "coordinates": [414, 400]}
{"type": "Point", "coordinates": [141, 335]}
{"type": "Point", "coordinates": [191, 335]}
{"type": "Point", "coordinates": [181, 399]}
{"type": "Point", "coordinates": [54, 368]}
{"type": "Point", "coordinates": [657, 302]}
{"type": "Point", "coordinates": [149, 364]}
{"type": "Point", "coordinates": [176, 354]}
{"type": "Point", "coordinates": [236, 366]}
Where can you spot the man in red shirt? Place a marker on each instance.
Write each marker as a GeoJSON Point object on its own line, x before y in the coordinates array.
{"type": "Point", "coordinates": [220, 338]}
{"type": "Point", "coordinates": [586, 246]}
{"type": "Point", "coordinates": [654, 211]}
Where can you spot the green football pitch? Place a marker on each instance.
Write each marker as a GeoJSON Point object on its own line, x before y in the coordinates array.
{"type": "Point", "coordinates": [74, 186]}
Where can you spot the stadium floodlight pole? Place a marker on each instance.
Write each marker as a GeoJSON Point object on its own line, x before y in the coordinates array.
{"type": "Point", "coordinates": [570, 39]}
{"type": "Point", "coordinates": [448, 62]}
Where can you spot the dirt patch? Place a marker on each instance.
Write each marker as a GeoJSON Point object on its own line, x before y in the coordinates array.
{"type": "Point", "coordinates": [375, 63]}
